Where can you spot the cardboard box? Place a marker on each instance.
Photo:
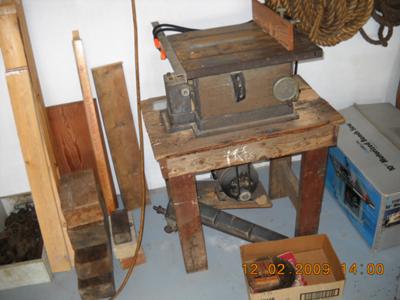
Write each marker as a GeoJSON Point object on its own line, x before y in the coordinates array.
{"type": "Point", "coordinates": [363, 172]}
{"type": "Point", "coordinates": [314, 250]}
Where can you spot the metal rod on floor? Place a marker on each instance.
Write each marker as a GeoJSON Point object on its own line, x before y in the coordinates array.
{"type": "Point", "coordinates": [225, 222]}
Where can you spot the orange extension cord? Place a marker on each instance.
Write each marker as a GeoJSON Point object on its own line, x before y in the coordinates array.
{"type": "Point", "coordinates": [141, 145]}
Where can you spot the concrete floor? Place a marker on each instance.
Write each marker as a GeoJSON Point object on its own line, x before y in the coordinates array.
{"type": "Point", "coordinates": [163, 275]}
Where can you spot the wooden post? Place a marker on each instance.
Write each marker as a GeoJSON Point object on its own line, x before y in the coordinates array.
{"type": "Point", "coordinates": [182, 192]}
{"type": "Point", "coordinates": [32, 128]}
{"type": "Point", "coordinates": [100, 153]}
{"type": "Point", "coordinates": [282, 181]}
{"type": "Point", "coordinates": [118, 121]}
{"type": "Point", "coordinates": [312, 183]}
{"type": "Point", "coordinates": [88, 230]}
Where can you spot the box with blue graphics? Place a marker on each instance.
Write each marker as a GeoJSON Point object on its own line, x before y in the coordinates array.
{"type": "Point", "coordinates": [363, 172]}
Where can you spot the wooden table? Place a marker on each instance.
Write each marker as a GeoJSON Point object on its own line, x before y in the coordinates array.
{"type": "Point", "coordinates": [182, 155]}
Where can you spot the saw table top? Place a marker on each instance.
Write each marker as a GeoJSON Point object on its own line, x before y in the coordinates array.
{"type": "Point", "coordinates": [182, 151]}
{"type": "Point", "coordinates": [233, 48]}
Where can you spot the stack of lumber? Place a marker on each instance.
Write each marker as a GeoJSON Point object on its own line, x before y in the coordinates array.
{"type": "Point", "coordinates": [88, 231]}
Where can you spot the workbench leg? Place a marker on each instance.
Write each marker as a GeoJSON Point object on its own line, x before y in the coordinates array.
{"type": "Point", "coordinates": [276, 188]}
{"type": "Point", "coordinates": [312, 182]}
{"type": "Point", "coordinates": [182, 192]}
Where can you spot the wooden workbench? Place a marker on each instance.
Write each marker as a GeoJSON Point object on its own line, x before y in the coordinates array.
{"type": "Point", "coordinates": [182, 155]}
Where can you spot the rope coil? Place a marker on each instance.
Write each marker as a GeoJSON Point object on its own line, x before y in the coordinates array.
{"type": "Point", "coordinates": [327, 23]}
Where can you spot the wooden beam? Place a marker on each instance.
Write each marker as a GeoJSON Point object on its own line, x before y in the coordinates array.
{"type": "Point", "coordinates": [88, 229]}
{"type": "Point", "coordinates": [312, 183]}
{"type": "Point", "coordinates": [182, 192]}
{"type": "Point", "coordinates": [41, 180]}
{"type": "Point", "coordinates": [100, 154]}
{"type": "Point", "coordinates": [120, 128]}
{"type": "Point", "coordinates": [37, 91]}
{"type": "Point", "coordinates": [273, 24]}
{"type": "Point", "coordinates": [282, 181]}
{"type": "Point", "coordinates": [33, 133]}
{"type": "Point", "coordinates": [80, 199]}
{"type": "Point", "coordinates": [274, 147]}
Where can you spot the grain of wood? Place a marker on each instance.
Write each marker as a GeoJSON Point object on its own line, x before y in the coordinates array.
{"type": "Point", "coordinates": [41, 180]}
{"type": "Point", "coordinates": [80, 199]}
{"type": "Point", "coordinates": [121, 133]}
{"type": "Point", "coordinates": [11, 40]}
{"type": "Point", "coordinates": [312, 183]}
{"type": "Point", "coordinates": [282, 181]}
{"type": "Point", "coordinates": [15, 40]}
{"type": "Point", "coordinates": [271, 23]}
{"type": "Point", "coordinates": [71, 137]}
{"type": "Point", "coordinates": [232, 48]}
{"type": "Point", "coordinates": [37, 92]}
{"type": "Point", "coordinates": [182, 192]}
{"type": "Point", "coordinates": [262, 150]}
{"type": "Point", "coordinates": [100, 154]}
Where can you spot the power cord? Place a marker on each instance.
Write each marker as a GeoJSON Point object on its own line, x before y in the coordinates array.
{"type": "Point", "coordinates": [141, 145]}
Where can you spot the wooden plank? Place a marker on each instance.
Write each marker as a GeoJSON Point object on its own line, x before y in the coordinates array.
{"type": "Point", "coordinates": [97, 287]}
{"type": "Point", "coordinates": [312, 183]}
{"type": "Point", "coordinates": [40, 177]}
{"type": "Point", "coordinates": [238, 47]}
{"type": "Point", "coordinates": [94, 264]}
{"type": "Point", "coordinates": [124, 252]}
{"type": "Point", "coordinates": [182, 192]}
{"type": "Point", "coordinates": [282, 181]}
{"type": "Point", "coordinates": [70, 133]}
{"type": "Point", "coordinates": [313, 113]}
{"type": "Point", "coordinates": [278, 146]}
{"type": "Point", "coordinates": [15, 39]}
{"type": "Point", "coordinates": [127, 262]}
{"type": "Point", "coordinates": [98, 235]}
{"type": "Point", "coordinates": [120, 227]}
{"type": "Point", "coordinates": [208, 194]}
{"type": "Point", "coordinates": [118, 121]}
{"type": "Point", "coordinates": [80, 199]}
{"type": "Point", "coordinates": [10, 39]}
{"type": "Point", "coordinates": [100, 154]}
{"type": "Point", "coordinates": [37, 92]}
{"type": "Point", "coordinates": [271, 23]}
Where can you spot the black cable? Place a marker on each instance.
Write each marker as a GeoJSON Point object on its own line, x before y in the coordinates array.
{"type": "Point", "coordinates": [170, 27]}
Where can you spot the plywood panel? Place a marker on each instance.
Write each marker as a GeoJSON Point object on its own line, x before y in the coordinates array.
{"type": "Point", "coordinates": [70, 132]}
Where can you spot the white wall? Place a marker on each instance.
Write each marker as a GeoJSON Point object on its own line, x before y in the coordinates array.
{"type": "Point", "coordinates": [352, 71]}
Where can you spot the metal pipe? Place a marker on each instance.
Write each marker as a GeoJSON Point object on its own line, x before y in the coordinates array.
{"type": "Point", "coordinates": [225, 222]}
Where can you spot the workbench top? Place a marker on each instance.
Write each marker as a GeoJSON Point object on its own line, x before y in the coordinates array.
{"type": "Point", "coordinates": [235, 48]}
{"type": "Point", "coordinates": [314, 112]}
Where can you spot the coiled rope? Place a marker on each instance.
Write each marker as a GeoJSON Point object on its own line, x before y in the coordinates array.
{"type": "Point", "coordinates": [387, 15]}
{"type": "Point", "coordinates": [326, 22]}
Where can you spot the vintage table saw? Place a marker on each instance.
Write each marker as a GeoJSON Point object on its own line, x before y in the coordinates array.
{"type": "Point", "coordinates": [202, 125]}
